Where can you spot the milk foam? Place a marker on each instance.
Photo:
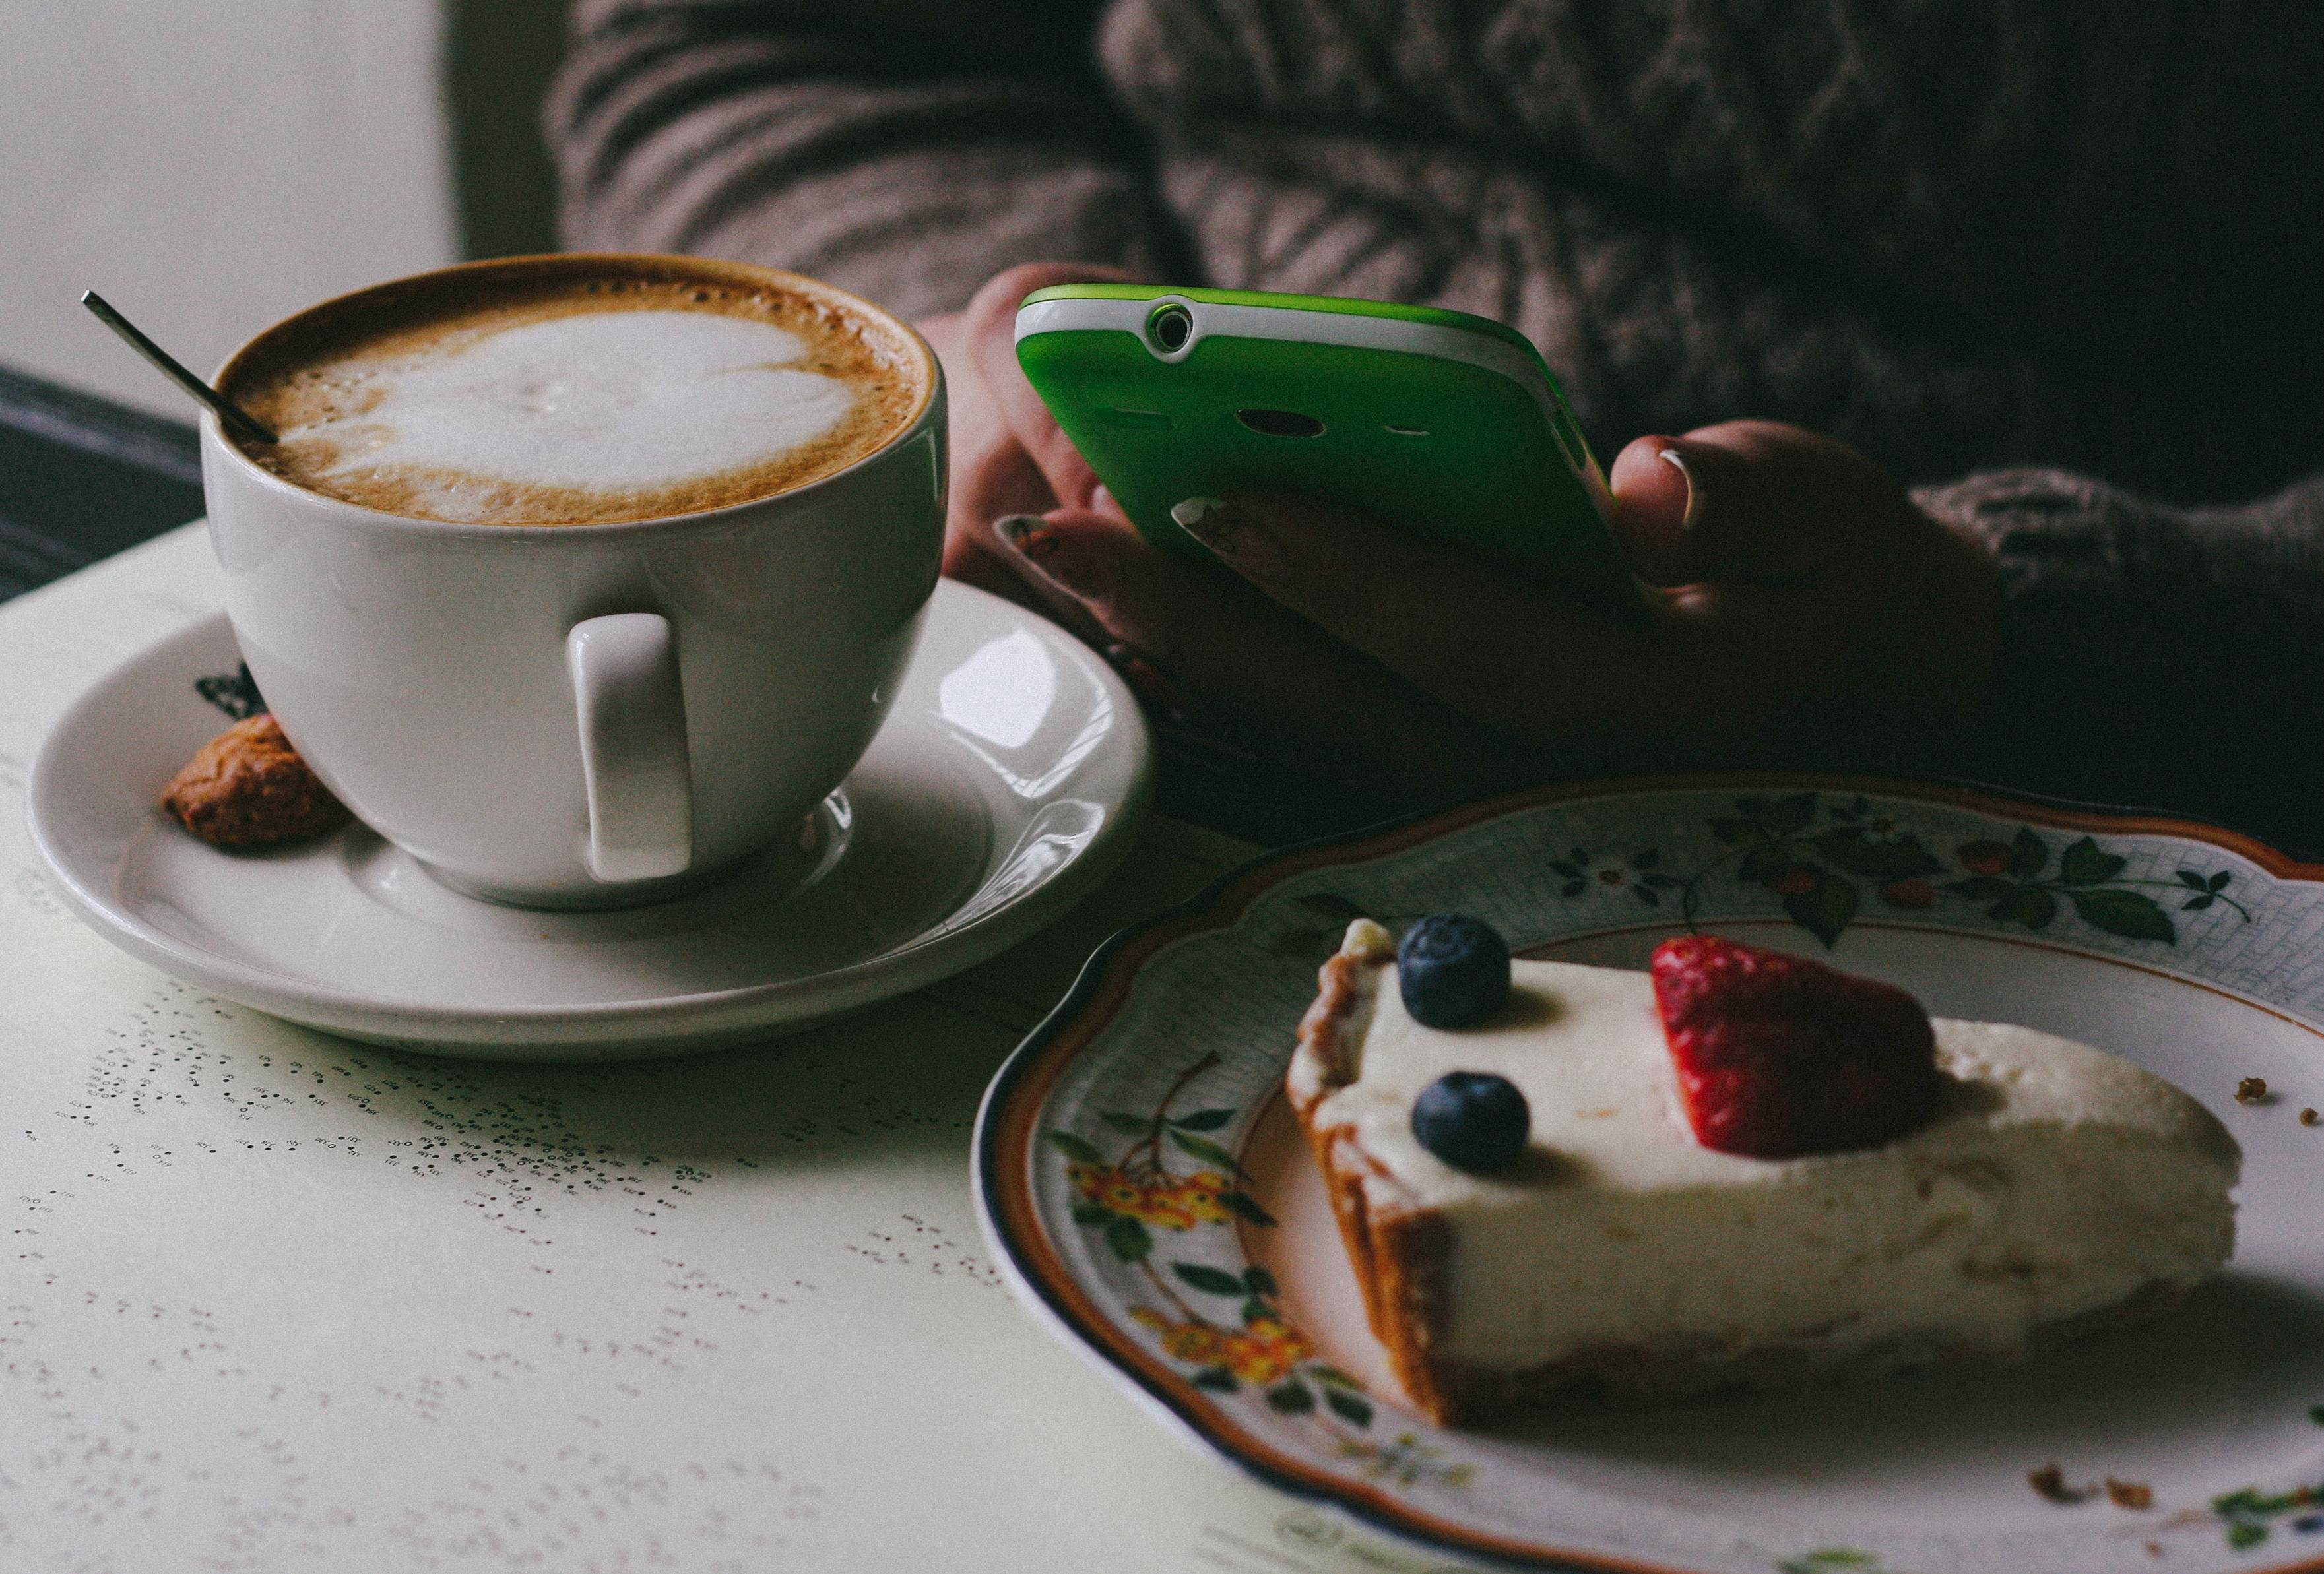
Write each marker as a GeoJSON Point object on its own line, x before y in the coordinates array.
{"type": "Point", "coordinates": [604, 401]}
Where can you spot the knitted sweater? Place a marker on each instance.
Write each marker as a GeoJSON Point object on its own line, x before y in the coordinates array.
{"type": "Point", "coordinates": [2054, 265]}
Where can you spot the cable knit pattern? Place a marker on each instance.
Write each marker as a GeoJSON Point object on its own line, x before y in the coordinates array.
{"type": "Point", "coordinates": [897, 160]}
{"type": "Point", "coordinates": [1648, 326]}
{"type": "Point", "coordinates": [1957, 233]}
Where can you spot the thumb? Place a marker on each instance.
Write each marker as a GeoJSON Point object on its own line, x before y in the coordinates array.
{"type": "Point", "coordinates": [1691, 511]}
{"type": "Point", "coordinates": [991, 332]}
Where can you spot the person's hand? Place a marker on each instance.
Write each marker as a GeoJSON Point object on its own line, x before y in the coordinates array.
{"type": "Point", "coordinates": [1008, 457]}
{"type": "Point", "coordinates": [1279, 686]}
{"type": "Point", "coordinates": [1817, 618]}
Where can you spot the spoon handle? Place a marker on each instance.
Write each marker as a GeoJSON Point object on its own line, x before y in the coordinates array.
{"type": "Point", "coordinates": [237, 419]}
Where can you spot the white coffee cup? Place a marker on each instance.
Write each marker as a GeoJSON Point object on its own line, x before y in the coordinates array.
{"type": "Point", "coordinates": [587, 715]}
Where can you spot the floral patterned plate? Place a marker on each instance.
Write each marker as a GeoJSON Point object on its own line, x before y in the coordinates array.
{"type": "Point", "coordinates": [1147, 1195]}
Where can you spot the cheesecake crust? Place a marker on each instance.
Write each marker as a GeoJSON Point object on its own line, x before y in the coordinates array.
{"type": "Point", "coordinates": [1399, 1254]}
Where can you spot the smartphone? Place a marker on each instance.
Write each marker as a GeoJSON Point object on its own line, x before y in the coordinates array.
{"type": "Point", "coordinates": [1444, 421]}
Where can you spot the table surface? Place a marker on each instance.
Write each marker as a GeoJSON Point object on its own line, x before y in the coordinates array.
{"type": "Point", "coordinates": [282, 1302]}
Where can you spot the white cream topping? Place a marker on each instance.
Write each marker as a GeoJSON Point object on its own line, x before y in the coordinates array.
{"type": "Point", "coordinates": [2054, 1181]}
{"type": "Point", "coordinates": [609, 402]}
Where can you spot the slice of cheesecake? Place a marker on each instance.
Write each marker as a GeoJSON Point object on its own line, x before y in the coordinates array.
{"type": "Point", "coordinates": [2052, 1188]}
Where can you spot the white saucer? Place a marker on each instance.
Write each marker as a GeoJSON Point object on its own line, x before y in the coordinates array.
{"type": "Point", "coordinates": [1006, 783]}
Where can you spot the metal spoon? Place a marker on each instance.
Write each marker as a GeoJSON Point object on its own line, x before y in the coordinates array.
{"type": "Point", "coordinates": [237, 419]}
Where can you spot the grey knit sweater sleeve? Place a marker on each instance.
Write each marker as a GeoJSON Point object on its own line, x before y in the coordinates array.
{"type": "Point", "coordinates": [902, 149]}
{"type": "Point", "coordinates": [2155, 656]}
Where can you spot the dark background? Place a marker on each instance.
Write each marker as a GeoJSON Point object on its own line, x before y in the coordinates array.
{"type": "Point", "coordinates": [82, 478]}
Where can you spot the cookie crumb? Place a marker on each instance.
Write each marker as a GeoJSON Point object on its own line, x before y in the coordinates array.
{"type": "Point", "coordinates": [2050, 1481]}
{"type": "Point", "coordinates": [248, 787]}
{"type": "Point", "coordinates": [2309, 1117]}
{"type": "Point", "coordinates": [2130, 1493]}
{"type": "Point", "coordinates": [2251, 1090]}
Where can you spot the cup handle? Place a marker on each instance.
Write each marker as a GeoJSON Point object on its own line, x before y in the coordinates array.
{"type": "Point", "coordinates": [634, 755]}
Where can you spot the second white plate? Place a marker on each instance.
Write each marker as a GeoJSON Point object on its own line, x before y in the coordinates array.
{"type": "Point", "coordinates": [1149, 1197]}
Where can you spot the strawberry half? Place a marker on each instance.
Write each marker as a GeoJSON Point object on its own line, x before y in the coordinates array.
{"type": "Point", "coordinates": [1778, 1056]}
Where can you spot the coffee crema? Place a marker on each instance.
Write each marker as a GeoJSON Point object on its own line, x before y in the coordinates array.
{"type": "Point", "coordinates": [577, 389]}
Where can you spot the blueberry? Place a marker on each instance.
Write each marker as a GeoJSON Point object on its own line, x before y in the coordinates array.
{"type": "Point", "coordinates": [1472, 1121]}
{"type": "Point", "coordinates": [1453, 969]}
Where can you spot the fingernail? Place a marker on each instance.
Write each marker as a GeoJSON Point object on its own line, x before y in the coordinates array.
{"type": "Point", "coordinates": [1151, 685]}
{"type": "Point", "coordinates": [1102, 501]}
{"type": "Point", "coordinates": [1037, 542]}
{"type": "Point", "coordinates": [1677, 461]}
{"type": "Point", "coordinates": [1216, 524]}
{"type": "Point", "coordinates": [1022, 530]}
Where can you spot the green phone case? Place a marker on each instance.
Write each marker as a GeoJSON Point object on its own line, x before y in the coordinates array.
{"type": "Point", "coordinates": [1451, 445]}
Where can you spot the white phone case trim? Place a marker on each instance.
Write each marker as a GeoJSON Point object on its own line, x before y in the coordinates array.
{"type": "Point", "coordinates": [1281, 322]}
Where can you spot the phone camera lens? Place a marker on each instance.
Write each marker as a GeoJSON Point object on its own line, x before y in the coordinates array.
{"type": "Point", "coordinates": [1172, 327]}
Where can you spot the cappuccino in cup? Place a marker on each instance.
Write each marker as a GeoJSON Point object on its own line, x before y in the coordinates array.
{"type": "Point", "coordinates": [576, 390]}
{"type": "Point", "coordinates": [744, 474]}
